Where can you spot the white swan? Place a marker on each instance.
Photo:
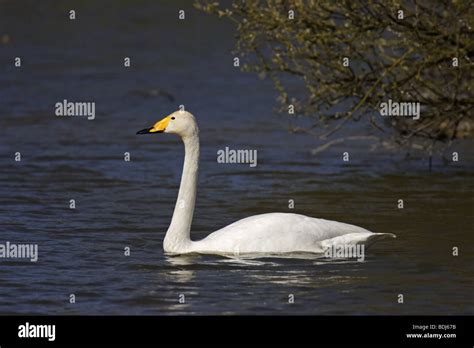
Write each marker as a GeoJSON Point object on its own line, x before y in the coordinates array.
{"type": "Point", "coordinates": [272, 233]}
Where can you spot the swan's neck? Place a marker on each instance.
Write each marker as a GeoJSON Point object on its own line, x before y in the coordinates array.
{"type": "Point", "coordinates": [178, 235]}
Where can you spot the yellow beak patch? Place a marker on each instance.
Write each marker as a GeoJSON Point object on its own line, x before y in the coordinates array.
{"type": "Point", "coordinates": [160, 126]}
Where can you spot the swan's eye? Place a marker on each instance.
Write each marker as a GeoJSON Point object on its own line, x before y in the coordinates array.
{"type": "Point", "coordinates": [173, 118]}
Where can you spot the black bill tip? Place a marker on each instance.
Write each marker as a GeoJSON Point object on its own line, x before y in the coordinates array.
{"type": "Point", "coordinates": [144, 131]}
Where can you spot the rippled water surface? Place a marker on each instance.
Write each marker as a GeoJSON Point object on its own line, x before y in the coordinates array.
{"type": "Point", "coordinates": [129, 204]}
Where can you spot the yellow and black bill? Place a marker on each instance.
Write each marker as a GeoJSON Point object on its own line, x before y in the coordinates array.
{"type": "Point", "coordinates": [158, 127]}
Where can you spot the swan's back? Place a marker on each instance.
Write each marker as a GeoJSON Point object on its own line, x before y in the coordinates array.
{"type": "Point", "coordinates": [279, 233]}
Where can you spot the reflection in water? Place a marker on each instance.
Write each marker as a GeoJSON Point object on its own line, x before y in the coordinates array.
{"type": "Point", "coordinates": [268, 268]}
{"type": "Point", "coordinates": [180, 274]}
{"type": "Point", "coordinates": [306, 278]}
{"type": "Point", "coordinates": [182, 260]}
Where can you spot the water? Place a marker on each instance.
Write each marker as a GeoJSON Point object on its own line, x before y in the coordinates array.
{"type": "Point", "coordinates": [129, 204]}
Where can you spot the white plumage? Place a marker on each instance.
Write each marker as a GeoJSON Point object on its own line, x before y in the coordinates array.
{"type": "Point", "coordinates": [272, 233]}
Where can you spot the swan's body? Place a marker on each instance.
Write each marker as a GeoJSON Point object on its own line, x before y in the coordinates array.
{"type": "Point", "coordinates": [273, 233]}
{"type": "Point", "coordinates": [280, 233]}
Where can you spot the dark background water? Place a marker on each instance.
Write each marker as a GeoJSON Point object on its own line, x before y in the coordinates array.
{"type": "Point", "coordinates": [129, 204]}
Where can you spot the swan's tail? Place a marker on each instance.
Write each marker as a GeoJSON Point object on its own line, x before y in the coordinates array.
{"type": "Point", "coordinates": [379, 236]}
{"type": "Point", "coordinates": [366, 238]}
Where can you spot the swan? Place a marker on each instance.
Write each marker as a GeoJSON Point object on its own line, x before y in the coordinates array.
{"type": "Point", "coordinates": [271, 233]}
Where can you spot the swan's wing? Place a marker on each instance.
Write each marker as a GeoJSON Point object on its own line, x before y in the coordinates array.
{"type": "Point", "coordinates": [366, 238]}
{"type": "Point", "coordinates": [278, 232]}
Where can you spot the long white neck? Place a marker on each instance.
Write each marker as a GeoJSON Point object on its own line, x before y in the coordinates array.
{"type": "Point", "coordinates": [178, 235]}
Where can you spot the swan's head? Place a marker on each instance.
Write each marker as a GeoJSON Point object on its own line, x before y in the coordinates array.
{"type": "Point", "coordinates": [179, 122]}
